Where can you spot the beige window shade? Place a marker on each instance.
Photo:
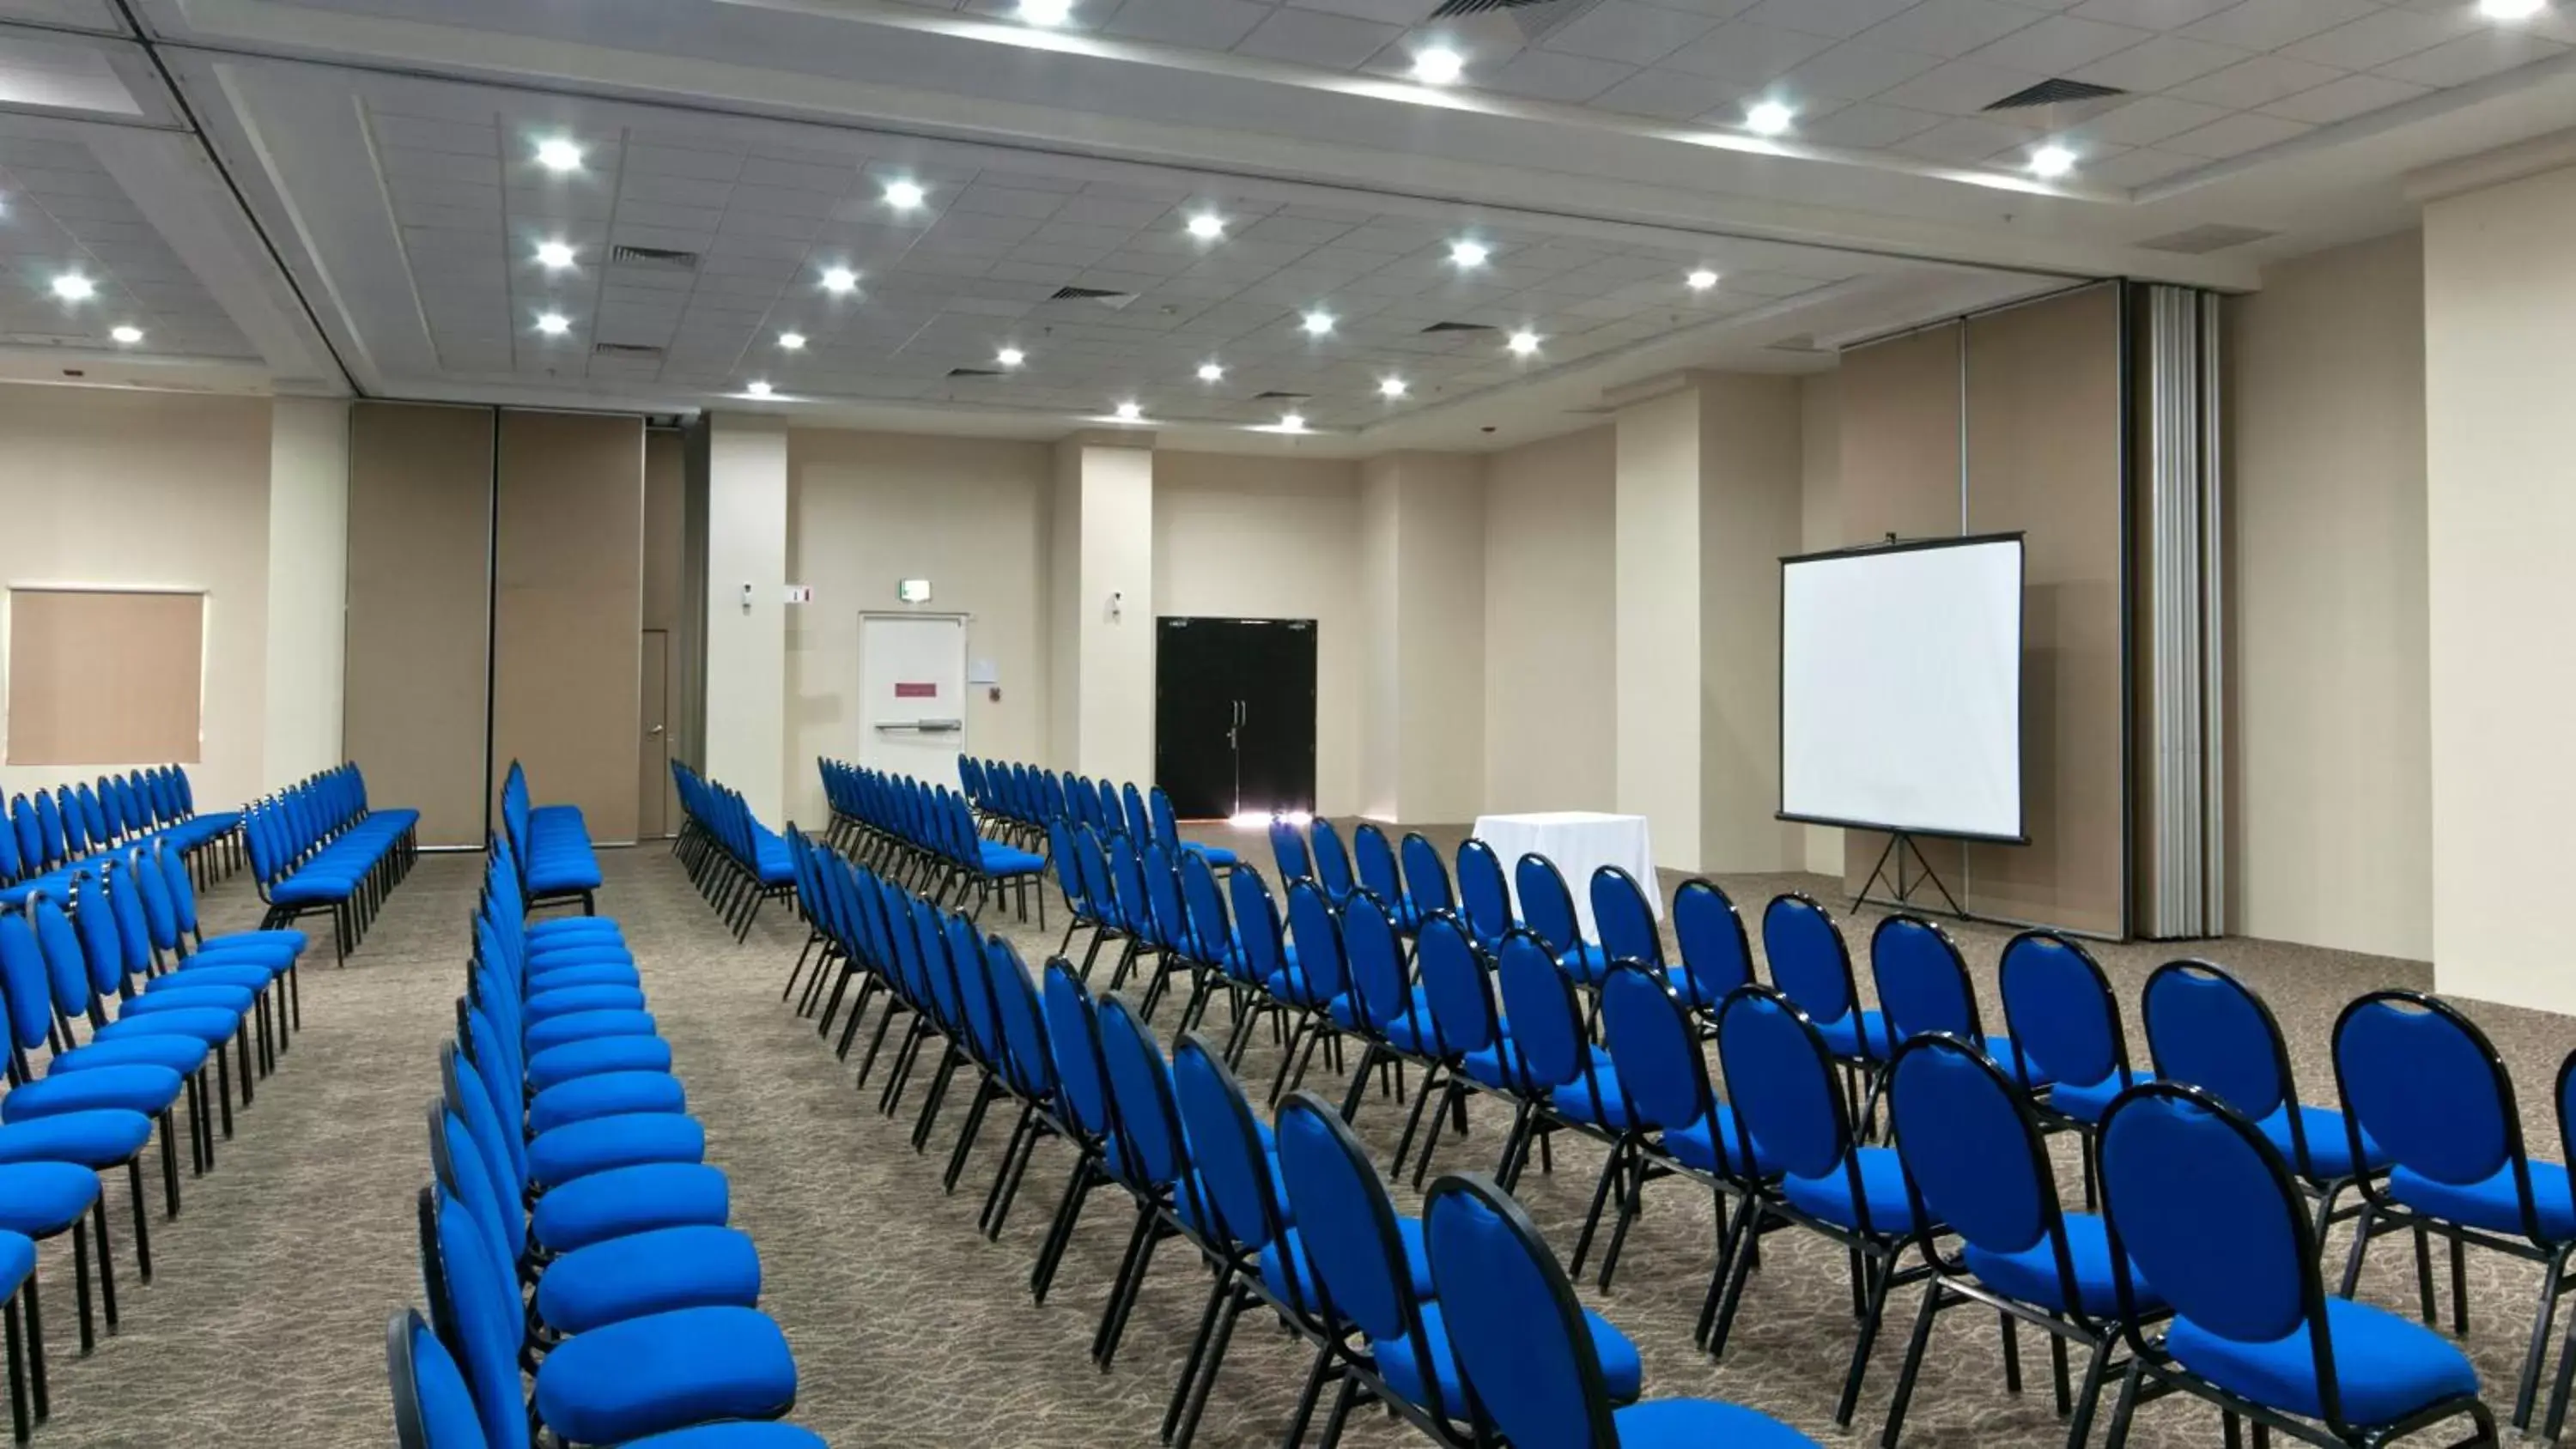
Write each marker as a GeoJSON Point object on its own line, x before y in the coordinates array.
{"type": "Point", "coordinates": [105, 677]}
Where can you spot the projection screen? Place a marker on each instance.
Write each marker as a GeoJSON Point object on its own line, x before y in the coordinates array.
{"type": "Point", "coordinates": [1900, 688]}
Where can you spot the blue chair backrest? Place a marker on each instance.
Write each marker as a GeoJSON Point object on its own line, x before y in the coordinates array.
{"type": "Point", "coordinates": [483, 1302]}
{"type": "Point", "coordinates": [32, 859]}
{"type": "Point", "coordinates": [1288, 851]}
{"type": "Point", "coordinates": [22, 977]}
{"type": "Point", "coordinates": [183, 891]}
{"type": "Point", "coordinates": [433, 1407]}
{"type": "Point", "coordinates": [102, 944]}
{"type": "Point", "coordinates": [1715, 955]}
{"type": "Point", "coordinates": [1140, 822]}
{"type": "Point", "coordinates": [1256, 925]}
{"type": "Point", "coordinates": [1073, 1032]}
{"type": "Point", "coordinates": [1127, 878]}
{"type": "Point", "coordinates": [11, 866]}
{"type": "Point", "coordinates": [1971, 1150]}
{"type": "Point", "coordinates": [2205, 1208]}
{"type": "Point", "coordinates": [1538, 1002]}
{"type": "Point", "coordinates": [1225, 1145]}
{"type": "Point", "coordinates": [1167, 827]}
{"type": "Point", "coordinates": [1140, 1090]}
{"type": "Point", "coordinates": [1458, 985]}
{"type": "Point", "coordinates": [1028, 1062]}
{"type": "Point", "coordinates": [124, 888]}
{"type": "Point", "coordinates": [1655, 1049]}
{"type": "Point", "coordinates": [1484, 893]}
{"type": "Point", "coordinates": [2061, 1014]}
{"type": "Point", "coordinates": [2430, 1090]}
{"type": "Point", "coordinates": [1317, 930]}
{"type": "Point", "coordinates": [1547, 907]}
{"type": "Point", "coordinates": [974, 990]}
{"type": "Point", "coordinates": [1093, 859]}
{"type": "Point", "coordinates": [76, 841]}
{"type": "Point", "coordinates": [1623, 920]}
{"type": "Point", "coordinates": [1375, 860]}
{"type": "Point", "coordinates": [1376, 960]}
{"type": "Point", "coordinates": [1922, 982]}
{"type": "Point", "coordinates": [1780, 1081]}
{"type": "Point", "coordinates": [1809, 961]}
{"type": "Point", "coordinates": [1163, 891]}
{"type": "Point", "coordinates": [1332, 862]}
{"type": "Point", "coordinates": [1211, 931]}
{"type": "Point", "coordinates": [1426, 876]}
{"type": "Point", "coordinates": [1520, 1337]}
{"type": "Point", "coordinates": [49, 824]}
{"type": "Point", "coordinates": [1345, 1220]}
{"type": "Point", "coordinates": [2207, 1028]}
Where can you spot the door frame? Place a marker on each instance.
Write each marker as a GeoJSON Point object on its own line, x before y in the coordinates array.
{"type": "Point", "coordinates": [966, 664]}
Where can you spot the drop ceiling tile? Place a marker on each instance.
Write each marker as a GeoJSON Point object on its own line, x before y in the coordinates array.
{"type": "Point", "coordinates": [1867, 126]}
{"type": "Point", "coordinates": [2236, 135]}
{"type": "Point", "coordinates": [2341, 100]}
{"type": "Point", "coordinates": [1548, 75]}
{"type": "Point", "coordinates": [2271, 24]}
{"type": "Point", "coordinates": [2257, 82]}
{"type": "Point", "coordinates": [2145, 121]}
{"type": "Point", "coordinates": [1200, 24]}
{"type": "Point", "coordinates": [1623, 30]}
{"type": "Point", "coordinates": [672, 161]}
{"type": "Point", "coordinates": [1747, 53]}
{"type": "Point", "coordinates": [2474, 57]}
{"type": "Point", "coordinates": [1962, 141]}
{"type": "Point", "coordinates": [1854, 70]}
{"type": "Point", "coordinates": [2159, 64]}
{"type": "Point", "coordinates": [684, 218]}
{"type": "Point", "coordinates": [1838, 18]}
{"type": "Point", "coordinates": [1310, 37]}
{"type": "Point", "coordinates": [1952, 28]}
{"type": "Point", "coordinates": [1393, 12]}
{"type": "Point", "coordinates": [2150, 14]}
{"type": "Point", "coordinates": [2377, 40]}
{"type": "Point", "coordinates": [2058, 44]}
{"type": "Point", "coordinates": [1959, 88]}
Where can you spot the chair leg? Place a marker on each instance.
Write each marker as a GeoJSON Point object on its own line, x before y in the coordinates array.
{"type": "Point", "coordinates": [1879, 1276]}
{"type": "Point", "coordinates": [2117, 1435]}
{"type": "Point", "coordinates": [1068, 1212]}
{"type": "Point", "coordinates": [2550, 1280]}
{"type": "Point", "coordinates": [1186, 1389]}
{"type": "Point", "coordinates": [1189, 1425]}
{"type": "Point", "coordinates": [1914, 1347]}
{"type": "Point", "coordinates": [1748, 1236]}
{"type": "Point", "coordinates": [2088, 1396]}
{"type": "Point", "coordinates": [37, 1390]}
{"type": "Point", "coordinates": [1613, 1169]}
{"type": "Point", "coordinates": [18, 1424]}
{"type": "Point", "coordinates": [80, 1288]}
{"type": "Point", "coordinates": [2360, 1246]}
{"type": "Point", "coordinates": [1131, 1271]}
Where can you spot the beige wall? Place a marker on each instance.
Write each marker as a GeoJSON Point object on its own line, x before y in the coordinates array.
{"type": "Point", "coordinates": [1655, 622]}
{"type": "Point", "coordinates": [1820, 527]}
{"type": "Point", "coordinates": [2499, 288]}
{"type": "Point", "coordinates": [1751, 502]}
{"type": "Point", "coordinates": [867, 510]}
{"type": "Point", "coordinates": [1440, 631]}
{"type": "Point", "coordinates": [1380, 552]}
{"type": "Point", "coordinates": [1273, 538]}
{"type": "Point", "coordinates": [2329, 762]}
{"type": "Point", "coordinates": [746, 643]}
{"type": "Point", "coordinates": [308, 586]}
{"type": "Point", "coordinates": [1549, 658]}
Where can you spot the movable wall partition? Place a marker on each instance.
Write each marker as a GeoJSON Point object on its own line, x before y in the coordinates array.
{"type": "Point", "coordinates": [496, 611]}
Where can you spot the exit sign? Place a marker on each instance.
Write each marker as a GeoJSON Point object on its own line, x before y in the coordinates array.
{"type": "Point", "coordinates": [913, 591]}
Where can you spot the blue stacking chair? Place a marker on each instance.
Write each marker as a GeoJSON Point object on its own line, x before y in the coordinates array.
{"type": "Point", "coordinates": [1683, 1129]}
{"type": "Point", "coordinates": [1082, 1096]}
{"type": "Point", "coordinates": [1716, 957]}
{"type": "Point", "coordinates": [1426, 876]}
{"type": "Point", "coordinates": [2432, 1094]}
{"type": "Point", "coordinates": [1624, 919]}
{"type": "Point", "coordinates": [1316, 974]}
{"type": "Point", "coordinates": [1811, 965]}
{"type": "Point", "coordinates": [1081, 912]}
{"type": "Point", "coordinates": [1209, 929]}
{"type": "Point", "coordinates": [1476, 1054]}
{"type": "Point", "coordinates": [1264, 954]}
{"type": "Point", "coordinates": [1547, 911]}
{"type": "Point", "coordinates": [2200, 1204]}
{"type": "Point", "coordinates": [1167, 829]}
{"type": "Point", "coordinates": [1332, 862]}
{"type": "Point", "coordinates": [1380, 876]}
{"type": "Point", "coordinates": [1152, 1163]}
{"type": "Point", "coordinates": [1109, 909]}
{"type": "Point", "coordinates": [1383, 1008]}
{"type": "Point", "coordinates": [1530, 1363]}
{"type": "Point", "coordinates": [1134, 818]}
{"type": "Point", "coordinates": [1974, 1159]}
{"type": "Point", "coordinates": [1779, 1076]}
{"type": "Point", "coordinates": [1923, 988]}
{"type": "Point", "coordinates": [1027, 1072]}
{"type": "Point", "coordinates": [2065, 1026]}
{"type": "Point", "coordinates": [1484, 894]}
{"type": "Point", "coordinates": [1287, 851]}
{"type": "Point", "coordinates": [2209, 1029]}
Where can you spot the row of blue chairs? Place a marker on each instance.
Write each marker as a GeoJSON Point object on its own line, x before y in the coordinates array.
{"type": "Point", "coordinates": [1023, 804]}
{"type": "Point", "coordinates": [557, 863]}
{"type": "Point", "coordinates": [41, 840]}
{"type": "Point", "coordinates": [583, 1284]}
{"type": "Point", "coordinates": [117, 1005]}
{"type": "Point", "coordinates": [1461, 1322]}
{"type": "Point", "coordinates": [735, 861]}
{"type": "Point", "coordinates": [318, 848]}
{"type": "Point", "coordinates": [927, 837]}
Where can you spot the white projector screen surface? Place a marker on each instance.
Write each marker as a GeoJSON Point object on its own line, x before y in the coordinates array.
{"type": "Point", "coordinates": [1900, 689]}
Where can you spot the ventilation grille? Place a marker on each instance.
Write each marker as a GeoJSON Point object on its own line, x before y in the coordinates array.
{"type": "Point", "coordinates": [1803, 342]}
{"type": "Point", "coordinates": [658, 258]}
{"type": "Point", "coordinates": [641, 351]}
{"type": "Point", "coordinates": [1281, 396]}
{"type": "Point", "coordinates": [1535, 19]}
{"type": "Point", "coordinates": [974, 372]}
{"type": "Point", "coordinates": [2202, 240]}
{"type": "Point", "coordinates": [1110, 299]}
{"type": "Point", "coordinates": [1457, 327]}
{"type": "Point", "coordinates": [1451, 9]}
{"type": "Point", "coordinates": [2058, 92]}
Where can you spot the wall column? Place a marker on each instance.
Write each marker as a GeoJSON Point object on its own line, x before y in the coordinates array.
{"type": "Point", "coordinates": [1655, 628]}
{"type": "Point", "coordinates": [744, 746]}
{"type": "Point", "coordinates": [1422, 524]}
{"type": "Point", "coordinates": [1751, 462]}
{"type": "Point", "coordinates": [1102, 600]}
{"type": "Point", "coordinates": [308, 587]}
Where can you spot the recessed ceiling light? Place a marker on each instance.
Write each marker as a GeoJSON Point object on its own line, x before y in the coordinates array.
{"type": "Point", "coordinates": [2511, 9]}
{"type": "Point", "coordinates": [1437, 66]}
{"type": "Point", "coordinates": [1701, 280]}
{"type": "Point", "coordinates": [1769, 118]}
{"type": "Point", "coordinates": [1010, 357]}
{"type": "Point", "coordinates": [1046, 12]}
{"type": "Point", "coordinates": [73, 287]}
{"type": "Point", "coordinates": [1391, 387]}
{"type": "Point", "coordinates": [840, 279]}
{"type": "Point", "coordinates": [792, 341]}
{"type": "Point", "coordinates": [905, 195]}
{"type": "Point", "coordinates": [554, 324]}
{"type": "Point", "coordinates": [554, 256]}
{"type": "Point", "coordinates": [1319, 323]}
{"type": "Point", "coordinates": [1524, 343]}
{"type": "Point", "coordinates": [757, 389]}
{"type": "Point", "coordinates": [1469, 253]}
{"type": "Point", "coordinates": [1129, 412]}
{"type": "Point", "coordinates": [128, 334]}
{"type": "Point", "coordinates": [1207, 226]}
{"type": "Point", "coordinates": [2051, 161]}
{"type": "Point", "coordinates": [1292, 422]}
{"type": "Point", "coordinates": [558, 154]}
{"type": "Point", "coordinates": [1211, 372]}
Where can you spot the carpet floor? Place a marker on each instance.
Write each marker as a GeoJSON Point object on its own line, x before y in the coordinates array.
{"type": "Point", "coordinates": [265, 1323]}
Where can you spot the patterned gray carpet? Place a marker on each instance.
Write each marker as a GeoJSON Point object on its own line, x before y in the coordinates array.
{"type": "Point", "coordinates": [265, 1324]}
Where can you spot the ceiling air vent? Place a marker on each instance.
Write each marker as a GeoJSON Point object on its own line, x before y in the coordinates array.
{"type": "Point", "coordinates": [1281, 396]}
{"type": "Point", "coordinates": [659, 258]}
{"type": "Point", "coordinates": [1534, 18]}
{"type": "Point", "coordinates": [2059, 92]}
{"type": "Point", "coordinates": [1456, 327]}
{"type": "Point", "coordinates": [1113, 300]}
{"type": "Point", "coordinates": [974, 372]}
{"type": "Point", "coordinates": [642, 351]}
{"type": "Point", "coordinates": [2202, 240]}
{"type": "Point", "coordinates": [1804, 342]}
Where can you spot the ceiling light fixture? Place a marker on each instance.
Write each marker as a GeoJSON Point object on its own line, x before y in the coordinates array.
{"type": "Point", "coordinates": [1211, 372]}
{"type": "Point", "coordinates": [1207, 226]}
{"type": "Point", "coordinates": [2051, 161]}
{"type": "Point", "coordinates": [1292, 422]}
{"type": "Point", "coordinates": [554, 256]}
{"type": "Point", "coordinates": [757, 389]}
{"type": "Point", "coordinates": [1129, 412]}
{"type": "Point", "coordinates": [73, 287]}
{"type": "Point", "coordinates": [1010, 357]}
{"type": "Point", "coordinates": [1524, 343]}
{"type": "Point", "coordinates": [792, 341]}
{"type": "Point", "coordinates": [2511, 9]}
{"type": "Point", "coordinates": [1469, 253]}
{"type": "Point", "coordinates": [905, 195]}
{"type": "Point", "coordinates": [558, 154]}
{"type": "Point", "coordinates": [1392, 387]}
{"type": "Point", "coordinates": [1438, 66]}
{"type": "Point", "coordinates": [554, 324]}
{"type": "Point", "coordinates": [128, 334]}
{"type": "Point", "coordinates": [1701, 280]}
{"type": "Point", "coordinates": [1318, 323]}
{"type": "Point", "coordinates": [1046, 12]}
{"type": "Point", "coordinates": [1769, 118]}
{"type": "Point", "coordinates": [840, 280]}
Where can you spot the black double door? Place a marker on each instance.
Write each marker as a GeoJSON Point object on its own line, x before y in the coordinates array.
{"type": "Point", "coordinates": [1234, 715]}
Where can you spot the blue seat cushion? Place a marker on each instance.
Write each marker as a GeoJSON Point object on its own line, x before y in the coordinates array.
{"type": "Point", "coordinates": [555, 927]}
{"type": "Point", "coordinates": [311, 889]}
{"type": "Point", "coordinates": [604, 1094]}
{"type": "Point", "coordinates": [734, 1436]}
{"type": "Point", "coordinates": [189, 994]}
{"type": "Point", "coordinates": [1843, 1036]}
{"type": "Point", "coordinates": [1000, 859]}
{"type": "Point", "coordinates": [204, 1024]}
{"type": "Point", "coordinates": [550, 877]}
{"type": "Point", "coordinates": [1623, 1374]}
{"type": "Point", "coordinates": [564, 1001]}
{"type": "Point", "coordinates": [1488, 1066]}
{"type": "Point", "coordinates": [572, 1061]}
{"type": "Point", "coordinates": [140, 1088]}
{"type": "Point", "coordinates": [2087, 1101]}
{"type": "Point", "coordinates": [272, 959]}
{"type": "Point", "coordinates": [2031, 1275]}
{"type": "Point", "coordinates": [630, 1200]}
{"type": "Point", "coordinates": [1276, 1265]}
{"type": "Point", "coordinates": [669, 1371]}
{"type": "Point", "coordinates": [582, 974]}
{"type": "Point", "coordinates": [1215, 855]}
{"type": "Point", "coordinates": [2386, 1367]}
{"type": "Point", "coordinates": [585, 1025]}
{"type": "Point", "coordinates": [1882, 1187]}
{"type": "Point", "coordinates": [1599, 1101]}
{"type": "Point", "coordinates": [92, 1139]}
{"type": "Point", "coordinates": [1585, 963]}
{"type": "Point", "coordinates": [286, 936]}
{"type": "Point", "coordinates": [43, 1198]}
{"type": "Point", "coordinates": [2495, 1204]}
{"type": "Point", "coordinates": [1696, 1423]}
{"type": "Point", "coordinates": [646, 1273]}
{"type": "Point", "coordinates": [181, 1054]}
{"type": "Point", "coordinates": [197, 971]}
{"type": "Point", "coordinates": [1696, 1146]}
{"type": "Point", "coordinates": [578, 951]}
{"type": "Point", "coordinates": [628, 1139]}
{"type": "Point", "coordinates": [2329, 1148]}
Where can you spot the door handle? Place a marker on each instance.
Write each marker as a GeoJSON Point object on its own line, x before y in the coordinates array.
{"type": "Point", "coordinates": [655, 730]}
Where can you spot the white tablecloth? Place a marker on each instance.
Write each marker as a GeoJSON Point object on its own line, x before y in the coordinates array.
{"type": "Point", "coordinates": [1580, 842]}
